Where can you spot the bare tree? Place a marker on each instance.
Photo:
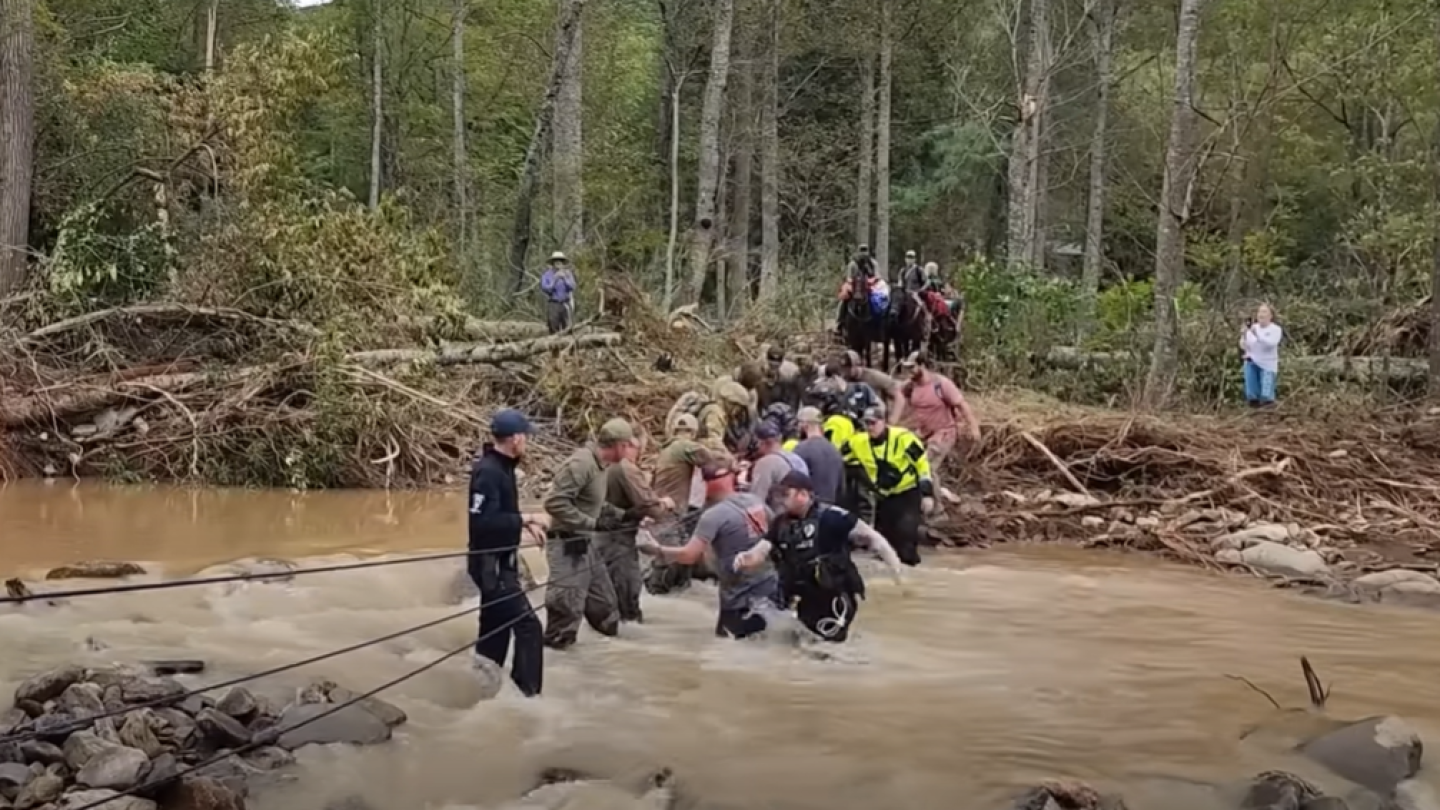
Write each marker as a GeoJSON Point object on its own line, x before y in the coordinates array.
{"type": "Point", "coordinates": [530, 172]}
{"type": "Point", "coordinates": [677, 84]}
{"type": "Point", "coordinates": [1026, 174]}
{"type": "Point", "coordinates": [567, 149]}
{"type": "Point", "coordinates": [461, 161]}
{"type": "Point", "coordinates": [212, 13]}
{"type": "Point", "coordinates": [743, 147]}
{"type": "Point", "coordinates": [1435, 267]}
{"type": "Point", "coordinates": [708, 183]}
{"type": "Point", "coordinates": [377, 95]}
{"type": "Point", "coordinates": [882, 144]}
{"type": "Point", "coordinates": [1180, 170]}
{"type": "Point", "coordinates": [770, 159]}
{"type": "Point", "coordinates": [866, 177]}
{"type": "Point", "coordinates": [1104, 20]}
{"type": "Point", "coordinates": [17, 138]}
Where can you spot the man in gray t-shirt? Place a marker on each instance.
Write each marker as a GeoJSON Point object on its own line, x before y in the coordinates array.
{"type": "Point", "coordinates": [772, 464]}
{"type": "Point", "coordinates": [732, 524]}
{"type": "Point", "coordinates": [827, 466]}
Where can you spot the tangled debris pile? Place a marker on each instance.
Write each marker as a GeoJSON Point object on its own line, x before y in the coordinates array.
{"type": "Point", "coordinates": [79, 736]}
{"type": "Point", "coordinates": [1312, 504]}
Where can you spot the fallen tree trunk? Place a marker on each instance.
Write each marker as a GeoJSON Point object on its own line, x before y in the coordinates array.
{"type": "Point", "coordinates": [72, 400]}
{"type": "Point", "coordinates": [166, 311]}
{"type": "Point", "coordinates": [478, 330]}
{"type": "Point", "coordinates": [461, 354]}
{"type": "Point", "coordinates": [1357, 369]}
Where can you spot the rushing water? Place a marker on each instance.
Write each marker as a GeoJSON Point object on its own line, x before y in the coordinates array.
{"type": "Point", "coordinates": [987, 672]}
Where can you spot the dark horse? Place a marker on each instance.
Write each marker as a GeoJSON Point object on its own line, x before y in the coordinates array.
{"type": "Point", "coordinates": [907, 326]}
{"type": "Point", "coordinates": [859, 325]}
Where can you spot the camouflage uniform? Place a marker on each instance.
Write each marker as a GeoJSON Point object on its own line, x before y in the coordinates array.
{"type": "Point", "coordinates": [626, 490]}
{"type": "Point", "coordinates": [579, 581]}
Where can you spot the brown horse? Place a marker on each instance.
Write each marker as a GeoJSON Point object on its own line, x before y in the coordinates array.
{"type": "Point", "coordinates": [907, 326]}
{"type": "Point", "coordinates": [859, 326]}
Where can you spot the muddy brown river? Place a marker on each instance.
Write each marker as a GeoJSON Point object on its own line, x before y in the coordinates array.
{"type": "Point", "coordinates": [990, 670]}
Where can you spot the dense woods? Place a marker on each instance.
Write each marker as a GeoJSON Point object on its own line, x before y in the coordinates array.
{"type": "Point", "coordinates": [1116, 180]}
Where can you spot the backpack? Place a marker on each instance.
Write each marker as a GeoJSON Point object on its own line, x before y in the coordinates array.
{"type": "Point", "coordinates": [691, 402]}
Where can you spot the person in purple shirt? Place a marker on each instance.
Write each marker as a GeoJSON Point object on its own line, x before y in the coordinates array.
{"type": "Point", "coordinates": [558, 284]}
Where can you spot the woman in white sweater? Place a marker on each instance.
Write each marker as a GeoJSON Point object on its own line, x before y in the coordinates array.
{"type": "Point", "coordinates": [1261, 344]}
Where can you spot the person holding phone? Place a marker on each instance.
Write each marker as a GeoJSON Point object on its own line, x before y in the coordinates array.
{"type": "Point", "coordinates": [1260, 345]}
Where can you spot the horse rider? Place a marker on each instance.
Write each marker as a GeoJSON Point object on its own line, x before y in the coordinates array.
{"type": "Point", "coordinates": [809, 543]}
{"type": "Point", "coordinates": [860, 274]}
{"type": "Point", "coordinates": [897, 470]}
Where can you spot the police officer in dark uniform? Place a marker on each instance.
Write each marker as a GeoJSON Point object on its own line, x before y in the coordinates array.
{"type": "Point", "coordinates": [810, 544]}
{"type": "Point", "coordinates": [496, 527]}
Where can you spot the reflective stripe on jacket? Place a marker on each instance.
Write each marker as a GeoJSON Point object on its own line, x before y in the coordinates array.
{"type": "Point", "coordinates": [897, 465]}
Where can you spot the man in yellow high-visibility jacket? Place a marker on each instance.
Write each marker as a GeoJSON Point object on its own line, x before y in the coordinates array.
{"type": "Point", "coordinates": [895, 467]}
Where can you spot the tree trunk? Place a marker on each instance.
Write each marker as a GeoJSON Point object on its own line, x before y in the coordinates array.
{"type": "Point", "coordinates": [708, 182]}
{"type": "Point", "coordinates": [770, 160]}
{"type": "Point", "coordinates": [212, 13]}
{"type": "Point", "coordinates": [1104, 19]}
{"type": "Point", "coordinates": [864, 183]}
{"type": "Point", "coordinates": [1180, 169]}
{"type": "Point", "coordinates": [882, 145]}
{"type": "Point", "coordinates": [1026, 173]}
{"type": "Point", "coordinates": [460, 180]}
{"type": "Point", "coordinates": [674, 193]}
{"type": "Point", "coordinates": [544, 117]}
{"type": "Point", "coordinates": [567, 149]}
{"type": "Point", "coordinates": [377, 122]}
{"type": "Point", "coordinates": [17, 138]}
{"type": "Point", "coordinates": [1434, 376]}
{"type": "Point", "coordinates": [738, 275]}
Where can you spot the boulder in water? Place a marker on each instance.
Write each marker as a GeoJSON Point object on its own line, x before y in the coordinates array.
{"type": "Point", "coordinates": [389, 714]}
{"type": "Point", "coordinates": [48, 685]}
{"type": "Point", "coordinates": [176, 666]}
{"type": "Point", "coordinates": [1277, 790]}
{"type": "Point", "coordinates": [138, 731]}
{"type": "Point", "coordinates": [350, 725]}
{"type": "Point", "coordinates": [13, 777]}
{"type": "Point", "coordinates": [112, 800]}
{"type": "Point", "coordinates": [82, 700]}
{"type": "Point", "coordinates": [1400, 586]}
{"type": "Point", "coordinates": [1275, 558]}
{"type": "Point", "coordinates": [95, 569]}
{"type": "Point", "coordinates": [1376, 753]}
{"type": "Point", "coordinates": [239, 703]}
{"type": "Point", "coordinates": [202, 793]}
{"type": "Point", "coordinates": [222, 729]}
{"type": "Point", "coordinates": [118, 767]}
{"type": "Point", "coordinates": [1066, 795]}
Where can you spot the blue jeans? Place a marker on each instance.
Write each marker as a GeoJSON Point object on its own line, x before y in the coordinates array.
{"type": "Point", "coordinates": [1259, 384]}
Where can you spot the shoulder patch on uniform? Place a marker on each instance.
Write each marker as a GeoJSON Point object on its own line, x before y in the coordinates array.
{"type": "Point", "coordinates": [916, 450]}
{"type": "Point", "coordinates": [477, 502]}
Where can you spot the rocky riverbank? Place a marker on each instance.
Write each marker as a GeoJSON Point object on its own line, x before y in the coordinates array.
{"type": "Point", "coordinates": [77, 736]}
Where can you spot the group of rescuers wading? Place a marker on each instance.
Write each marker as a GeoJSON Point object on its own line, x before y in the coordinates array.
{"type": "Point", "coordinates": [764, 499]}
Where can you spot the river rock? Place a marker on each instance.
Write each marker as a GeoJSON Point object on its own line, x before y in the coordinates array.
{"type": "Point", "coordinates": [1245, 538]}
{"type": "Point", "coordinates": [13, 777]}
{"type": "Point", "coordinates": [175, 727]}
{"type": "Point", "coordinates": [352, 725]}
{"type": "Point", "coordinates": [83, 700]}
{"type": "Point", "coordinates": [138, 731]}
{"type": "Point", "coordinates": [1401, 586]}
{"type": "Point", "coordinates": [202, 793]}
{"type": "Point", "coordinates": [118, 767]}
{"type": "Point", "coordinates": [12, 721]}
{"type": "Point", "coordinates": [42, 752]}
{"type": "Point", "coordinates": [176, 666]}
{"type": "Point", "coordinates": [1277, 790]}
{"type": "Point", "coordinates": [83, 746]}
{"type": "Point", "coordinates": [1066, 795]}
{"type": "Point", "coordinates": [270, 758]}
{"type": "Point", "coordinates": [112, 799]}
{"type": "Point", "coordinates": [239, 703]}
{"type": "Point", "coordinates": [162, 769]}
{"type": "Point", "coordinates": [95, 569]}
{"type": "Point", "coordinates": [43, 789]}
{"type": "Point", "coordinates": [1279, 559]}
{"type": "Point", "coordinates": [222, 729]}
{"type": "Point", "coordinates": [53, 727]}
{"type": "Point", "coordinates": [389, 714]}
{"type": "Point", "coordinates": [152, 690]}
{"type": "Point", "coordinates": [48, 685]}
{"type": "Point", "coordinates": [1377, 753]}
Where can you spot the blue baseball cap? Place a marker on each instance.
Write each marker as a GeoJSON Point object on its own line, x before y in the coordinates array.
{"type": "Point", "coordinates": [509, 422]}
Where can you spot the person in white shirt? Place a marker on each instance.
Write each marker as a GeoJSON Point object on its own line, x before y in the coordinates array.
{"type": "Point", "coordinates": [1260, 343]}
